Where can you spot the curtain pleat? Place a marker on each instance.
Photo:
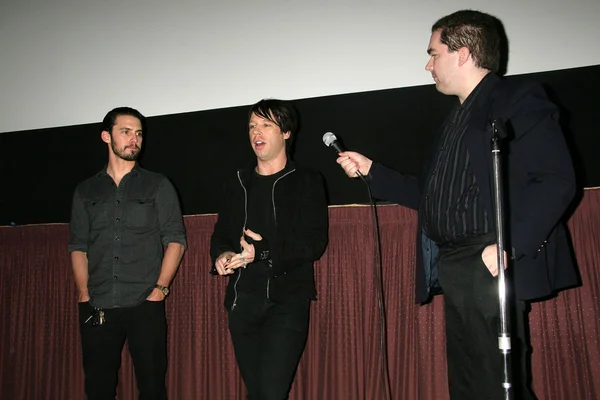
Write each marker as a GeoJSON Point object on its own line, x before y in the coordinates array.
{"type": "Point", "coordinates": [40, 354]}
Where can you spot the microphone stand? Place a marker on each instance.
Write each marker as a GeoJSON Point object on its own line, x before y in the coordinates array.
{"type": "Point", "coordinates": [504, 343]}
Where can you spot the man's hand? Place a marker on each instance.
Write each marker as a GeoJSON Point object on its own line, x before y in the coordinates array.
{"type": "Point", "coordinates": [351, 162]}
{"type": "Point", "coordinates": [490, 258]}
{"type": "Point", "coordinates": [247, 255]}
{"type": "Point", "coordinates": [156, 295]}
{"type": "Point", "coordinates": [249, 252]}
{"type": "Point", "coordinates": [222, 263]}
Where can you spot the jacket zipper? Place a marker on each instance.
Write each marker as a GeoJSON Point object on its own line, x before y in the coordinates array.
{"type": "Point", "coordinates": [275, 218]}
{"type": "Point", "coordinates": [245, 220]}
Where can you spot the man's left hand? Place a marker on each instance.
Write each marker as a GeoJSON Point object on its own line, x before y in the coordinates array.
{"type": "Point", "coordinates": [156, 295]}
{"type": "Point", "coordinates": [249, 252]}
{"type": "Point", "coordinates": [490, 258]}
{"type": "Point", "coordinates": [247, 255]}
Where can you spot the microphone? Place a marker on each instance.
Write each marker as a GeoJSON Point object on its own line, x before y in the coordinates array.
{"type": "Point", "coordinates": [331, 140]}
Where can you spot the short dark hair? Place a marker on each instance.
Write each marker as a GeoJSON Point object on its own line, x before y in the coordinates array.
{"type": "Point", "coordinates": [281, 112]}
{"type": "Point", "coordinates": [109, 120]}
{"type": "Point", "coordinates": [481, 33]}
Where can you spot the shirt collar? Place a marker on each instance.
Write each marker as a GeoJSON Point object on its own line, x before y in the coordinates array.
{"type": "Point", "coordinates": [135, 171]}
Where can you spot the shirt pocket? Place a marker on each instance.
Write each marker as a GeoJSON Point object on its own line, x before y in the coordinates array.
{"type": "Point", "coordinates": [98, 211]}
{"type": "Point", "coordinates": [139, 213]}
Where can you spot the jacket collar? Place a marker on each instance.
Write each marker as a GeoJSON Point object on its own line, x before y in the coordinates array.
{"type": "Point", "coordinates": [485, 91]}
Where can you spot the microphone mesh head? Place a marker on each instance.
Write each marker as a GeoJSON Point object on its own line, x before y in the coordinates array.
{"type": "Point", "coordinates": [329, 138]}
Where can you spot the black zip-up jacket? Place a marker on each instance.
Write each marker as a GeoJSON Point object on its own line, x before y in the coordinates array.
{"type": "Point", "coordinates": [300, 211]}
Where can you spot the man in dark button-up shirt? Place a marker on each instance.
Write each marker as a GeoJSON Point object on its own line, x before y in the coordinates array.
{"type": "Point", "coordinates": [454, 198]}
{"type": "Point", "coordinates": [127, 240]}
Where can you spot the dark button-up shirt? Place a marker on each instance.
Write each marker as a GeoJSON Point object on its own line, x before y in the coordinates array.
{"type": "Point", "coordinates": [453, 208]}
{"type": "Point", "coordinates": [123, 230]}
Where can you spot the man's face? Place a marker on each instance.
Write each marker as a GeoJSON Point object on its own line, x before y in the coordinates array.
{"type": "Point", "coordinates": [266, 138]}
{"type": "Point", "coordinates": [443, 65]}
{"type": "Point", "coordinates": [126, 137]}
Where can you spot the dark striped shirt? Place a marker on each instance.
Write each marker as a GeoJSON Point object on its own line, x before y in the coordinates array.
{"type": "Point", "coordinates": [452, 208]}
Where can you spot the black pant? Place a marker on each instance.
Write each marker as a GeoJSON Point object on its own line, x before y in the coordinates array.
{"type": "Point", "coordinates": [145, 328]}
{"type": "Point", "coordinates": [475, 364]}
{"type": "Point", "coordinates": [268, 340]}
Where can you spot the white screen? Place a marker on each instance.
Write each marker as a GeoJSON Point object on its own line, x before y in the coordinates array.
{"type": "Point", "coordinates": [68, 62]}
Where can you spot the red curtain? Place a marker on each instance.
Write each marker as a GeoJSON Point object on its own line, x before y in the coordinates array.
{"type": "Point", "coordinates": [39, 337]}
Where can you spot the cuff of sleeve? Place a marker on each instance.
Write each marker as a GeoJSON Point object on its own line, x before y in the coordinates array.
{"type": "Point", "coordinates": [261, 250]}
{"type": "Point", "coordinates": [373, 170]}
{"type": "Point", "coordinates": [175, 239]}
{"type": "Point", "coordinates": [77, 247]}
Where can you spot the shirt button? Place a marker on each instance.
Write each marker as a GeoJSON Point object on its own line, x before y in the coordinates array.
{"type": "Point", "coordinates": [118, 201]}
{"type": "Point", "coordinates": [116, 258]}
{"type": "Point", "coordinates": [117, 238]}
{"type": "Point", "coordinates": [118, 219]}
{"type": "Point", "coordinates": [114, 277]}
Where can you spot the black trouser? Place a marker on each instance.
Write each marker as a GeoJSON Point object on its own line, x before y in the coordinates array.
{"type": "Point", "coordinates": [145, 328]}
{"type": "Point", "coordinates": [475, 364]}
{"type": "Point", "coordinates": [268, 340]}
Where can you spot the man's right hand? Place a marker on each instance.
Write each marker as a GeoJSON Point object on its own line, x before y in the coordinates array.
{"type": "Point", "coordinates": [351, 162]}
{"type": "Point", "coordinates": [222, 263]}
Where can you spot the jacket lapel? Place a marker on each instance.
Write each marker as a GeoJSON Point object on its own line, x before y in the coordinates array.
{"type": "Point", "coordinates": [478, 138]}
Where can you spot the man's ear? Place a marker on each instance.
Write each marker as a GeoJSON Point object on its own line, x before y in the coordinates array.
{"type": "Point", "coordinates": [105, 137]}
{"type": "Point", "coordinates": [463, 55]}
{"type": "Point", "coordinates": [287, 135]}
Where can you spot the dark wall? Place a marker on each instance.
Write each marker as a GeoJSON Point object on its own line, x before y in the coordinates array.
{"type": "Point", "coordinates": [40, 168]}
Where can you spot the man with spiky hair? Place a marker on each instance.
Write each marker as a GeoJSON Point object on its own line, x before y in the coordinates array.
{"type": "Point", "coordinates": [454, 197]}
{"type": "Point", "coordinates": [127, 239]}
{"type": "Point", "coordinates": [271, 229]}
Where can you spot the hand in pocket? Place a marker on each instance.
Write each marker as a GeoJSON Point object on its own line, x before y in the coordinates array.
{"type": "Point", "coordinates": [490, 259]}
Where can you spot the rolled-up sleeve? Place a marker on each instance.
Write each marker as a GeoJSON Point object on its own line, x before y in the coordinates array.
{"type": "Point", "coordinates": [79, 226]}
{"type": "Point", "coordinates": [170, 220]}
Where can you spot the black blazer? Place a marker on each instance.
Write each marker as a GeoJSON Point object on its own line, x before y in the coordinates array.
{"type": "Point", "coordinates": [540, 184]}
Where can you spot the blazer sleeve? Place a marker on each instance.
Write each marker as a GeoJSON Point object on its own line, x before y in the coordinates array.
{"type": "Point", "coordinates": [540, 153]}
{"type": "Point", "coordinates": [389, 185]}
